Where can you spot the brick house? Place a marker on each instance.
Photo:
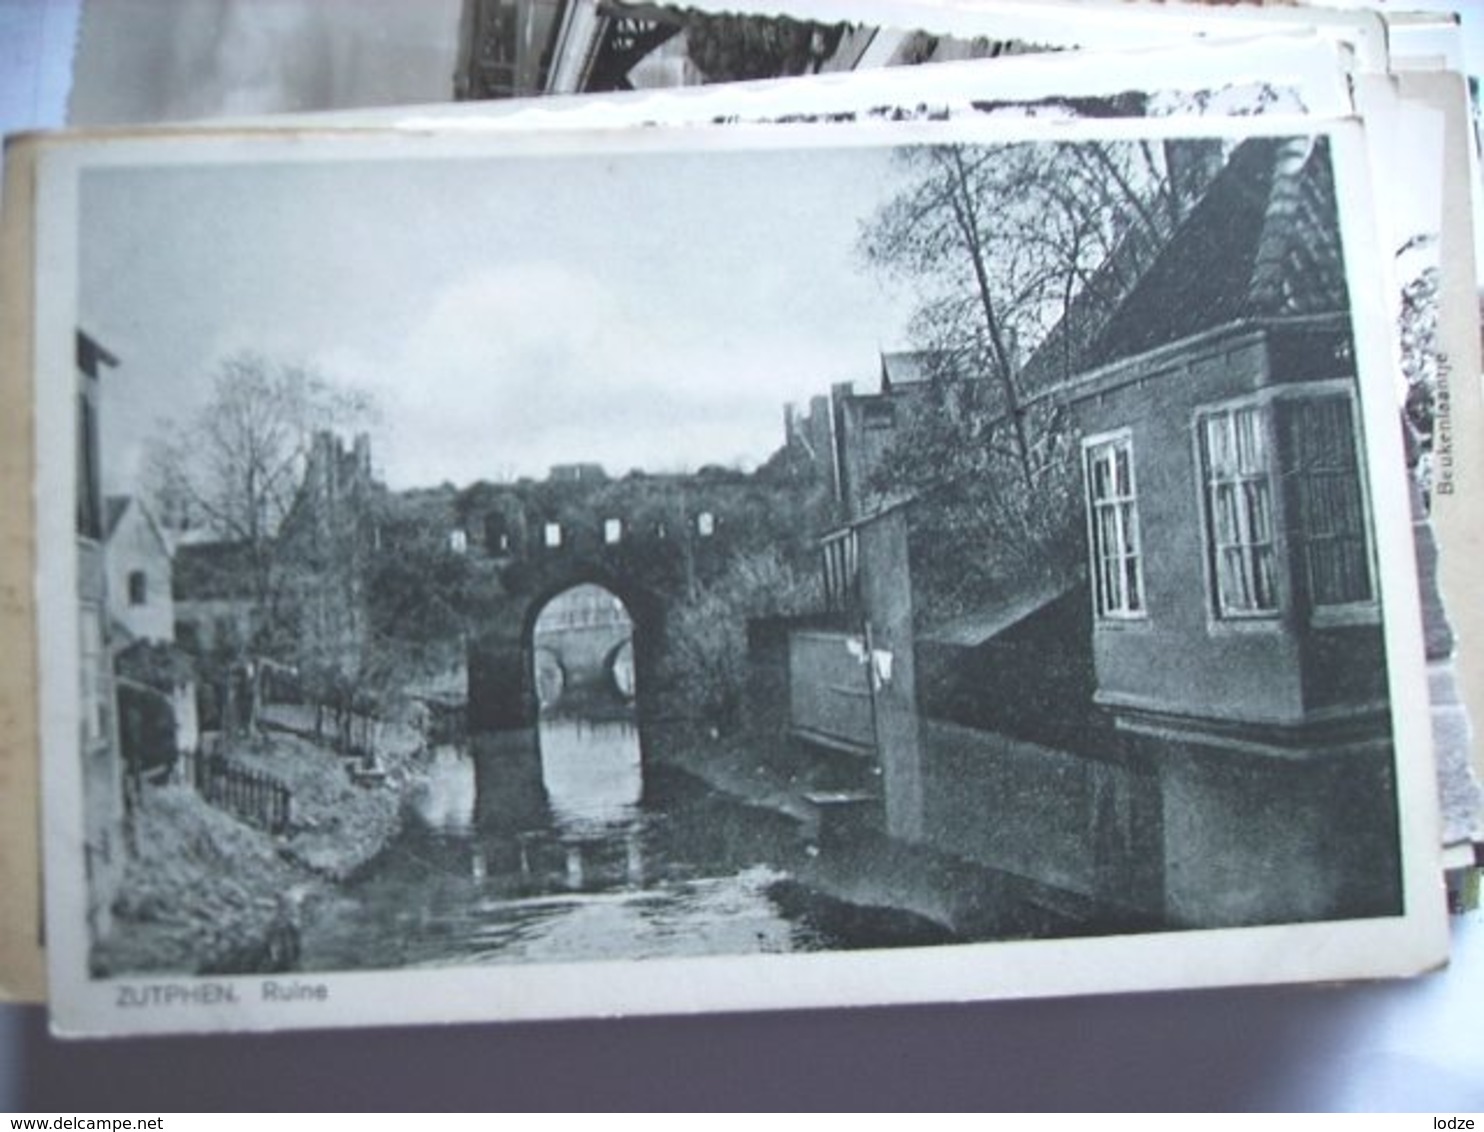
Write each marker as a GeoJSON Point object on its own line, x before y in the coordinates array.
{"type": "Point", "coordinates": [1187, 718]}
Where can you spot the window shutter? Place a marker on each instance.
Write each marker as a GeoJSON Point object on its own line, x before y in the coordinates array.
{"type": "Point", "coordinates": [1322, 468]}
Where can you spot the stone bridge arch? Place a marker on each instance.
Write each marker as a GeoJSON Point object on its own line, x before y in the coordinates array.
{"type": "Point", "coordinates": [502, 684]}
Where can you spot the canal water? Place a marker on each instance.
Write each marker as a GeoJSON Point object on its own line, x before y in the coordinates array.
{"type": "Point", "coordinates": [561, 844]}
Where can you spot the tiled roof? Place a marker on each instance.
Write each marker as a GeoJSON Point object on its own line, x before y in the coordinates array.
{"type": "Point", "coordinates": [1262, 243]}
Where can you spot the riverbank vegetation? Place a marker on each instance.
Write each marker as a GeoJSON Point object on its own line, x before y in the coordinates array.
{"type": "Point", "coordinates": [206, 892]}
{"type": "Point", "coordinates": [707, 634]}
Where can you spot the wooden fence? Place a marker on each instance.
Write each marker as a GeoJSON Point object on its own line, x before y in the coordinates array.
{"type": "Point", "coordinates": [255, 797]}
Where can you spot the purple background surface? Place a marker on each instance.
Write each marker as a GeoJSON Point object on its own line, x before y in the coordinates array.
{"type": "Point", "coordinates": [1404, 1045]}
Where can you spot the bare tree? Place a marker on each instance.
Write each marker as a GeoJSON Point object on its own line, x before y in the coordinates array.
{"type": "Point", "coordinates": [234, 469]}
{"type": "Point", "coordinates": [998, 240]}
{"type": "Point", "coordinates": [1015, 252]}
{"type": "Point", "coordinates": [1001, 241]}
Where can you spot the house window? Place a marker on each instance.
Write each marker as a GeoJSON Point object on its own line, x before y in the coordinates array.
{"type": "Point", "coordinates": [553, 535]}
{"type": "Point", "coordinates": [705, 524]}
{"type": "Point", "coordinates": [458, 540]}
{"type": "Point", "coordinates": [138, 588]}
{"type": "Point", "coordinates": [879, 415]}
{"type": "Point", "coordinates": [1113, 518]}
{"type": "Point", "coordinates": [1291, 462]}
{"type": "Point", "coordinates": [1320, 451]}
{"type": "Point", "coordinates": [1237, 471]}
{"type": "Point", "coordinates": [612, 531]}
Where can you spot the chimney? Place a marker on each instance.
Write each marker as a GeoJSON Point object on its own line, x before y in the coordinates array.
{"type": "Point", "coordinates": [1191, 165]}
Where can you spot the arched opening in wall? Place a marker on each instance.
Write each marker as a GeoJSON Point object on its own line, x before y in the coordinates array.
{"type": "Point", "coordinates": [586, 688]}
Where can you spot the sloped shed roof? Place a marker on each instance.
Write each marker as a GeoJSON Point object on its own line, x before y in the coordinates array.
{"type": "Point", "coordinates": [904, 367]}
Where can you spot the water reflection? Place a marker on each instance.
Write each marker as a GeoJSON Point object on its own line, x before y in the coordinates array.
{"type": "Point", "coordinates": [558, 843]}
{"type": "Point", "coordinates": [446, 797]}
{"type": "Point", "coordinates": [592, 771]}
{"type": "Point", "coordinates": [546, 845]}
{"type": "Point", "coordinates": [582, 776]}
{"type": "Point", "coordinates": [592, 768]}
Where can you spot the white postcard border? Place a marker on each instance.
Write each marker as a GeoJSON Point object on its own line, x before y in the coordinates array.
{"type": "Point", "coordinates": [1400, 945]}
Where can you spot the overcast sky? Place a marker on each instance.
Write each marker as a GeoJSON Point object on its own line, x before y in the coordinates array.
{"type": "Point", "coordinates": [642, 311]}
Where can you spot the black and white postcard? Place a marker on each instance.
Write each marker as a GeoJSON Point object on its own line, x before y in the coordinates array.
{"type": "Point", "coordinates": [720, 569]}
{"type": "Point", "coordinates": [1282, 74]}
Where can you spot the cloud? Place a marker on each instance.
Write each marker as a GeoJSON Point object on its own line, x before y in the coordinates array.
{"type": "Point", "coordinates": [532, 364]}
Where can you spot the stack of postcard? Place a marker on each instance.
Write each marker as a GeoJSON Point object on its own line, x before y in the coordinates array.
{"type": "Point", "coordinates": [843, 532]}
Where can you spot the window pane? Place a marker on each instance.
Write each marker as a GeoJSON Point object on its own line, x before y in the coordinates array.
{"type": "Point", "coordinates": [1232, 580]}
{"type": "Point", "coordinates": [1116, 564]}
{"type": "Point", "coordinates": [1250, 456]}
{"type": "Point", "coordinates": [1111, 602]}
{"type": "Point", "coordinates": [1100, 485]}
{"type": "Point", "coordinates": [1241, 522]}
{"type": "Point", "coordinates": [1132, 584]}
{"type": "Point", "coordinates": [1259, 511]}
{"type": "Point", "coordinates": [1130, 524]}
{"type": "Point", "coordinates": [1107, 532]}
{"type": "Point", "coordinates": [1218, 449]}
{"type": "Point", "coordinates": [1228, 528]}
{"type": "Point", "coordinates": [1264, 581]}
